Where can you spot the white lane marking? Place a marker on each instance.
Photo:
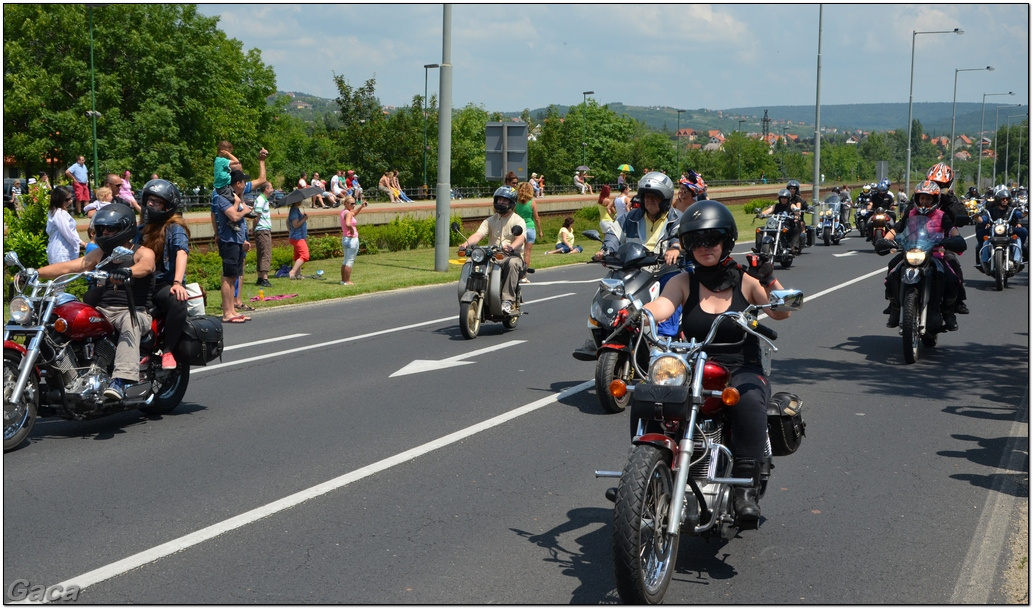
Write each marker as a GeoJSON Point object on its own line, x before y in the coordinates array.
{"type": "Point", "coordinates": [339, 341]}
{"type": "Point", "coordinates": [177, 545]}
{"type": "Point", "coordinates": [263, 341]}
{"type": "Point", "coordinates": [850, 253]}
{"type": "Point", "coordinates": [430, 365]}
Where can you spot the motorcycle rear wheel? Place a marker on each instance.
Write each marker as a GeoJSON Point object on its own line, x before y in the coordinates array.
{"type": "Point", "coordinates": [1000, 276]}
{"type": "Point", "coordinates": [610, 366]}
{"type": "Point", "coordinates": [170, 393]}
{"type": "Point", "coordinates": [909, 325]}
{"type": "Point", "coordinates": [470, 318]}
{"type": "Point", "coordinates": [644, 554]}
{"type": "Point", "coordinates": [23, 414]}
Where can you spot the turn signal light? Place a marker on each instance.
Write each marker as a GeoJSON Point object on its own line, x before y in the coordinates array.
{"type": "Point", "coordinates": [61, 325]}
{"type": "Point", "coordinates": [619, 389]}
{"type": "Point", "coordinates": [730, 396]}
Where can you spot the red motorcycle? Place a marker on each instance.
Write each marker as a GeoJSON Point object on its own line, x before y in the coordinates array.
{"type": "Point", "coordinates": [67, 352]}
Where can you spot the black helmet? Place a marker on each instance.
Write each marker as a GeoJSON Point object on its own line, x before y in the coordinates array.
{"type": "Point", "coordinates": [707, 215]}
{"type": "Point", "coordinates": [1002, 193]}
{"type": "Point", "coordinates": [164, 190]}
{"type": "Point", "coordinates": [659, 184]}
{"type": "Point", "coordinates": [794, 184]}
{"type": "Point", "coordinates": [114, 216]}
{"type": "Point", "coordinates": [509, 194]}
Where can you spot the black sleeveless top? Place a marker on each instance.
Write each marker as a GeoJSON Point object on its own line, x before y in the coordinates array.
{"type": "Point", "coordinates": [115, 295]}
{"type": "Point", "coordinates": [743, 349]}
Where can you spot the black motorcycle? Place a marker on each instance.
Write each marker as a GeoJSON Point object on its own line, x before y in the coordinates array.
{"type": "Point", "coordinates": [773, 238]}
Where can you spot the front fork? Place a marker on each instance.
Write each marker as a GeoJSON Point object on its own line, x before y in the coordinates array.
{"type": "Point", "coordinates": [27, 365]}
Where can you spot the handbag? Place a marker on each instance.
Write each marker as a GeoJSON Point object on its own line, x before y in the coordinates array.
{"type": "Point", "coordinates": [197, 298]}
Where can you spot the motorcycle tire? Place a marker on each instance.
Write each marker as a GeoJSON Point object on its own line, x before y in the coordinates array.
{"type": "Point", "coordinates": [470, 318]}
{"type": "Point", "coordinates": [1000, 275]}
{"type": "Point", "coordinates": [23, 415]}
{"type": "Point", "coordinates": [929, 340]}
{"type": "Point", "coordinates": [644, 554]}
{"type": "Point", "coordinates": [909, 326]}
{"type": "Point", "coordinates": [826, 236]}
{"type": "Point", "coordinates": [610, 366]}
{"type": "Point", "coordinates": [170, 394]}
{"type": "Point", "coordinates": [786, 261]}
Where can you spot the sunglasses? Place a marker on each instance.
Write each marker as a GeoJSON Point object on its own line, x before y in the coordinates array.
{"type": "Point", "coordinates": [705, 239]}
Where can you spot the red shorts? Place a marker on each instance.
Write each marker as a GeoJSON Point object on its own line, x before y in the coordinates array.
{"type": "Point", "coordinates": [82, 192]}
{"type": "Point", "coordinates": [300, 249]}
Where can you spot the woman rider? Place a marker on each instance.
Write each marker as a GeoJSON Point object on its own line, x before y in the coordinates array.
{"type": "Point", "coordinates": [717, 284]}
{"type": "Point", "coordinates": [167, 236]}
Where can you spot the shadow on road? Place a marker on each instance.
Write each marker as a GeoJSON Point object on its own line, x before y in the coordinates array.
{"type": "Point", "coordinates": [104, 428]}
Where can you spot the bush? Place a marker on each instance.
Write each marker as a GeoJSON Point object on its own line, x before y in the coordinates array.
{"type": "Point", "coordinates": [326, 246]}
{"type": "Point", "coordinates": [756, 205]}
{"type": "Point", "coordinates": [26, 233]}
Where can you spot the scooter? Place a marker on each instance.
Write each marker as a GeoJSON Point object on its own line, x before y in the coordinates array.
{"type": "Point", "coordinates": [480, 288]}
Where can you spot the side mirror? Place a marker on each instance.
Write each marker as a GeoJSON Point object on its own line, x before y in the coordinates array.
{"type": "Point", "coordinates": [11, 259]}
{"type": "Point", "coordinates": [592, 235]}
{"type": "Point", "coordinates": [517, 231]}
{"type": "Point", "coordinates": [786, 300]}
{"type": "Point", "coordinates": [455, 227]}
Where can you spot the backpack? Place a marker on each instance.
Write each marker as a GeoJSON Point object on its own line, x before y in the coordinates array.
{"type": "Point", "coordinates": [283, 271]}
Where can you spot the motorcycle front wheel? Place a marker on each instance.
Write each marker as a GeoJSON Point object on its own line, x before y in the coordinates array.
{"type": "Point", "coordinates": [170, 391]}
{"type": "Point", "coordinates": [18, 418]}
{"type": "Point", "coordinates": [610, 366]}
{"type": "Point", "coordinates": [1000, 277]}
{"type": "Point", "coordinates": [644, 553]}
{"type": "Point", "coordinates": [826, 236]}
{"type": "Point", "coordinates": [909, 325]}
{"type": "Point", "coordinates": [470, 318]}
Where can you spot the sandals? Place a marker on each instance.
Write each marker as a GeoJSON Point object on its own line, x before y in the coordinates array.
{"type": "Point", "coordinates": [237, 319]}
{"type": "Point", "coordinates": [244, 307]}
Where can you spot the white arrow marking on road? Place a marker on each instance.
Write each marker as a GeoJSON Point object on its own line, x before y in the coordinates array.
{"type": "Point", "coordinates": [430, 365]}
{"type": "Point", "coordinates": [850, 253]}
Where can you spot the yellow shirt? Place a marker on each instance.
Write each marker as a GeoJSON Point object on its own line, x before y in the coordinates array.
{"type": "Point", "coordinates": [655, 230]}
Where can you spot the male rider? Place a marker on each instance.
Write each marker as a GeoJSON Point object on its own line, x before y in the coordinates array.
{"type": "Point", "coordinates": [785, 204]}
{"type": "Point", "coordinates": [499, 229]}
{"type": "Point", "coordinates": [1002, 209]}
{"type": "Point", "coordinates": [115, 226]}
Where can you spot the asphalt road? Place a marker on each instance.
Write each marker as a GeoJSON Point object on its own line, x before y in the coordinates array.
{"type": "Point", "coordinates": [361, 451]}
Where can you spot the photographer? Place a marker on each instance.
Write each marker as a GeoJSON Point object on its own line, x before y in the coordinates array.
{"type": "Point", "coordinates": [349, 238]}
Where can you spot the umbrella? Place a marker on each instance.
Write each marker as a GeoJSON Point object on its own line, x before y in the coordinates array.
{"type": "Point", "coordinates": [300, 195]}
{"type": "Point", "coordinates": [582, 168]}
{"type": "Point", "coordinates": [626, 167]}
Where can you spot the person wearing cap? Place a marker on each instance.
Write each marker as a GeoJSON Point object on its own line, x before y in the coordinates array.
{"type": "Point", "coordinates": [352, 186]}
{"type": "Point", "coordinates": [231, 231]}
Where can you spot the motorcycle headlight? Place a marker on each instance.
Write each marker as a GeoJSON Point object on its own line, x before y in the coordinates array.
{"type": "Point", "coordinates": [668, 370]}
{"type": "Point", "coordinates": [1000, 229]}
{"type": "Point", "coordinates": [479, 256]}
{"type": "Point", "coordinates": [21, 310]}
{"type": "Point", "coordinates": [915, 257]}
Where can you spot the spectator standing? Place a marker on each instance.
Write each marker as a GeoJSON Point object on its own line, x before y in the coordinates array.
{"type": "Point", "coordinates": [349, 238]}
{"type": "Point", "coordinates": [565, 241]}
{"type": "Point", "coordinates": [104, 198]}
{"type": "Point", "coordinates": [541, 185]}
{"type": "Point", "coordinates": [397, 186]}
{"type": "Point", "coordinates": [528, 210]}
{"type": "Point", "coordinates": [126, 191]}
{"type": "Point", "coordinates": [535, 185]}
{"type": "Point", "coordinates": [44, 180]}
{"type": "Point", "coordinates": [262, 233]}
{"type": "Point", "coordinates": [80, 177]}
{"type": "Point", "coordinates": [608, 211]}
{"type": "Point", "coordinates": [297, 232]}
{"type": "Point", "coordinates": [511, 180]}
{"type": "Point", "coordinates": [114, 182]}
{"type": "Point", "coordinates": [622, 180]}
{"type": "Point", "coordinates": [384, 185]}
{"type": "Point", "coordinates": [233, 244]}
{"type": "Point", "coordinates": [64, 242]}
{"type": "Point", "coordinates": [621, 202]}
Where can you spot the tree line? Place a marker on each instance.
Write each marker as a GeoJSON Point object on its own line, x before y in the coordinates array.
{"type": "Point", "coordinates": [169, 85]}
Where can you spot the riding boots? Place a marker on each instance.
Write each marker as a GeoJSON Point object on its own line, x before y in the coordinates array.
{"type": "Point", "coordinates": [744, 498]}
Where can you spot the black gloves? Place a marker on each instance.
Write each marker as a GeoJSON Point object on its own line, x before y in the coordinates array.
{"type": "Point", "coordinates": [883, 246]}
{"type": "Point", "coordinates": [120, 276]}
{"type": "Point", "coordinates": [955, 244]}
{"type": "Point", "coordinates": [759, 267]}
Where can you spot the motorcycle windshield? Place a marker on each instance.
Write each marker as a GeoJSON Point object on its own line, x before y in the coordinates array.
{"type": "Point", "coordinates": [919, 233]}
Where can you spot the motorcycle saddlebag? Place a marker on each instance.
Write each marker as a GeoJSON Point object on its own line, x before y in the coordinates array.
{"type": "Point", "coordinates": [785, 423]}
{"type": "Point", "coordinates": [201, 341]}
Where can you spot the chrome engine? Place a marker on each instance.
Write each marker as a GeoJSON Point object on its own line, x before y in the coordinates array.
{"type": "Point", "coordinates": [85, 374]}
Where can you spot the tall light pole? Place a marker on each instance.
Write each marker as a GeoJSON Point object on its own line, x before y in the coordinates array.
{"type": "Point", "coordinates": [93, 99]}
{"type": "Point", "coordinates": [1018, 163]}
{"type": "Point", "coordinates": [426, 70]}
{"type": "Point", "coordinates": [954, 107]}
{"type": "Point", "coordinates": [677, 144]}
{"type": "Point", "coordinates": [979, 169]}
{"type": "Point", "coordinates": [997, 123]}
{"type": "Point", "coordinates": [911, 97]}
{"type": "Point", "coordinates": [1007, 148]}
{"type": "Point", "coordinates": [584, 129]}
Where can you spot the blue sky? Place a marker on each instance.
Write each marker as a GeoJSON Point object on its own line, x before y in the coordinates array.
{"type": "Point", "coordinates": [508, 57]}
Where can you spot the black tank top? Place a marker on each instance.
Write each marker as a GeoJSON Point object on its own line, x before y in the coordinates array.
{"type": "Point", "coordinates": [115, 296]}
{"type": "Point", "coordinates": [743, 348]}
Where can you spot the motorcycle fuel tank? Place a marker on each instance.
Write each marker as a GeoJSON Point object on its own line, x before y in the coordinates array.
{"type": "Point", "coordinates": [83, 320]}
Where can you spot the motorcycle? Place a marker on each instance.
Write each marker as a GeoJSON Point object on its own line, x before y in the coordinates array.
{"type": "Point", "coordinates": [912, 281]}
{"type": "Point", "coordinates": [773, 238]}
{"type": "Point", "coordinates": [973, 207]}
{"type": "Point", "coordinates": [631, 276]}
{"type": "Point", "coordinates": [480, 288]}
{"type": "Point", "coordinates": [1000, 256]}
{"type": "Point", "coordinates": [879, 223]}
{"type": "Point", "coordinates": [830, 223]}
{"type": "Point", "coordinates": [678, 477]}
{"type": "Point", "coordinates": [861, 214]}
{"type": "Point", "coordinates": [68, 355]}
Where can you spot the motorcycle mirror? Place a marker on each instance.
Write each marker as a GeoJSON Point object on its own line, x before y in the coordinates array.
{"type": "Point", "coordinates": [786, 300]}
{"type": "Point", "coordinates": [11, 259]}
{"type": "Point", "coordinates": [592, 235]}
{"type": "Point", "coordinates": [517, 231]}
{"type": "Point", "coordinates": [455, 227]}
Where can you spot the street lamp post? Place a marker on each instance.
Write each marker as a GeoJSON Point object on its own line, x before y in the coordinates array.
{"type": "Point", "coordinates": [911, 96]}
{"type": "Point", "coordinates": [997, 123]}
{"type": "Point", "coordinates": [1007, 149]}
{"type": "Point", "coordinates": [954, 107]}
{"type": "Point", "coordinates": [982, 115]}
{"type": "Point", "coordinates": [677, 144]}
{"type": "Point", "coordinates": [584, 129]}
{"type": "Point", "coordinates": [426, 70]}
{"type": "Point", "coordinates": [93, 99]}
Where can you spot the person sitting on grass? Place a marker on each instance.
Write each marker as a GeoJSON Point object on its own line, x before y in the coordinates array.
{"type": "Point", "coordinates": [565, 245]}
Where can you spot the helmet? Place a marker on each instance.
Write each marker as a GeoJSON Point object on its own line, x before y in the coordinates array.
{"type": "Point", "coordinates": [164, 190]}
{"type": "Point", "coordinates": [1001, 192]}
{"type": "Point", "coordinates": [659, 184]}
{"type": "Point", "coordinates": [794, 184]}
{"type": "Point", "coordinates": [884, 186]}
{"type": "Point", "coordinates": [866, 189]}
{"type": "Point", "coordinates": [941, 174]}
{"type": "Point", "coordinates": [927, 187]}
{"type": "Point", "coordinates": [784, 193]}
{"type": "Point", "coordinates": [509, 194]}
{"type": "Point", "coordinates": [973, 191]}
{"type": "Point", "coordinates": [707, 215]}
{"type": "Point", "coordinates": [114, 216]}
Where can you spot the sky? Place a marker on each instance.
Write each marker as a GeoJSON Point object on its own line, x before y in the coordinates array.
{"type": "Point", "coordinates": [507, 57]}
